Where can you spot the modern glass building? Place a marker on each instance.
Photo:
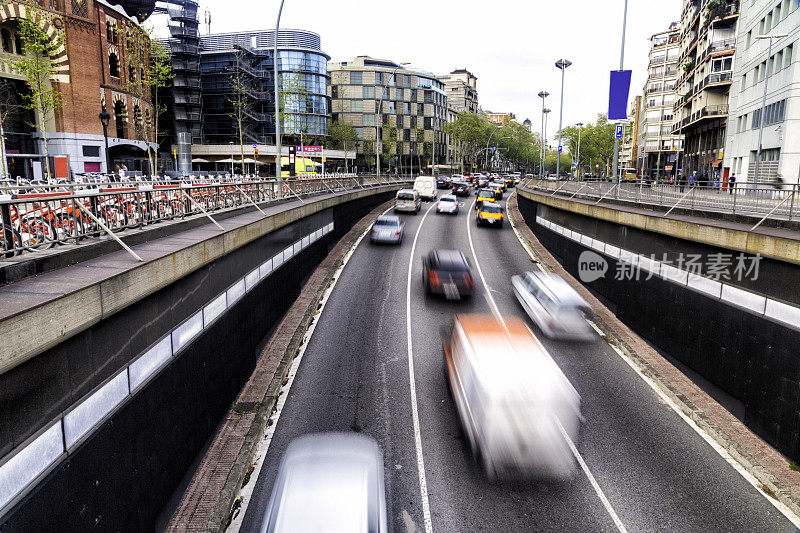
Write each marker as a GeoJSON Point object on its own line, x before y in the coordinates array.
{"type": "Point", "coordinates": [245, 59]}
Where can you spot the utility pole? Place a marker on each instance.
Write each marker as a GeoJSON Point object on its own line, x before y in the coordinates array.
{"type": "Point", "coordinates": [542, 95]}
{"type": "Point", "coordinates": [621, 68]}
{"type": "Point", "coordinates": [278, 173]}
{"type": "Point", "coordinates": [763, 116]}
{"type": "Point", "coordinates": [578, 160]}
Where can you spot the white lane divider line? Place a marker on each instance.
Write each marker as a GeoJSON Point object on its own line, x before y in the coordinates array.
{"type": "Point", "coordinates": [246, 492]}
{"type": "Point", "coordinates": [423, 483]}
{"type": "Point", "coordinates": [596, 486]}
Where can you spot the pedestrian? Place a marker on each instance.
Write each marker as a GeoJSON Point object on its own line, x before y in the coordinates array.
{"type": "Point", "coordinates": [682, 180]}
{"type": "Point", "coordinates": [692, 179]}
{"type": "Point", "coordinates": [778, 184]}
{"type": "Point", "coordinates": [731, 183]}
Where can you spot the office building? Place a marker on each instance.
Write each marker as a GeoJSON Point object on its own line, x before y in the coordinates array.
{"type": "Point", "coordinates": [461, 88]}
{"type": "Point", "coordinates": [706, 62]}
{"type": "Point", "coordinates": [780, 117]}
{"type": "Point", "coordinates": [409, 106]}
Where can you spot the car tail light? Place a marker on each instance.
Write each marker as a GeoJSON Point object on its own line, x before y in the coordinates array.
{"type": "Point", "coordinates": [374, 231]}
{"type": "Point", "coordinates": [397, 233]}
{"type": "Point", "coordinates": [434, 278]}
{"type": "Point", "coordinates": [469, 281]}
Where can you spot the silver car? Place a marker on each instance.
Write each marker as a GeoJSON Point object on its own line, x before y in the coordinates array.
{"type": "Point", "coordinates": [387, 229]}
{"type": "Point", "coordinates": [447, 204]}
{"type": "Point", "coordinates": [330, 482]}
{"type": "Point", "coordinates": [556, 308]}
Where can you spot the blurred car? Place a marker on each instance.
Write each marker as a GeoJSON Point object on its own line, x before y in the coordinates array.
{"type": "Point", "coordinates": [329, 482]}
{"type": "Point", "coordinates": [443, 182]}
{"type": "Point", "coordinates": [460, 188]}
{"type": "Point", "coordinates": [499, 182]}
{"type": "Point", "coordinates": [510, 182]}
{"type": "Point", "coordinates": [447, 272]}
{"type": "Point", "coordinates": [481, 181]}
{"type": "Point", "coordinates": [426, 187]}
{"type": "Point", "coordinates": [485, 195]}
{"type": "Point", "coordinates": [490, 213]}
{"type": "Point", "coordinates": [447, 204]}
{"type": "Point", "coordinates": [556, 308]}
{"type": "Point", "coordinates": [407, 200]}
{"type": "Point", "coordinates": [387, 229]}
{"type": "Point", "coordinates": [498, 190]}
{"type": "Point", "coordinates": [515, 405]}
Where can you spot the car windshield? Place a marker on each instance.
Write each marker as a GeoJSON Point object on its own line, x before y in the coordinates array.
{"type": "Point", "coordinates": [405, 196]}
{"type": "Point", "coordinates": [492, 208]}
{"type": "Point", "coordinates": [448, 199]}
{"type": "Point", "coordinates": [387, 222]}
{"type": "Point", "coordinates": [487, 192]}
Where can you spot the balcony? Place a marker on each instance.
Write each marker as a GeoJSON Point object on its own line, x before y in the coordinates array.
{"type": "Point", "coordinates": [719, 78]}
{"type": "Point", "coordinates": [707, 112]}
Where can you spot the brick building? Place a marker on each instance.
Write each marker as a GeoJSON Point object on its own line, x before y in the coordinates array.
{"type": "Point", "coordinates": [100, 64]}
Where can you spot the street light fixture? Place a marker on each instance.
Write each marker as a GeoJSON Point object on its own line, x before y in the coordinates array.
{"type": "Point", "coordinates": [542, 95]}
{"type": "Point", "coordinates": [764, 102]}
{"type": "Point", "coordinates": [546, 112]}
{"type": "Point", "coordinates": [563, 65]}
{"type": "Point", "coordinates": [278, 173]}
{"type": "Point", "coordinates": [105, 118]}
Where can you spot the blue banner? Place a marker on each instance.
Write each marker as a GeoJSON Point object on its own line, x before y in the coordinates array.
{"type": "Point", "coordinates": [618, 94]}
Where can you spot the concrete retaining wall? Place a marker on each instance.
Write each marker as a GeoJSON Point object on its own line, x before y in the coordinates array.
{"type": "Point", "coordinates": [751, 357]}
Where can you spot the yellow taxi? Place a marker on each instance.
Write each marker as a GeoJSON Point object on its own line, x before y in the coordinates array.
{"type": "Point", "coordinates": [485, 195]}
{"type": "Point", "coordinates": [490, 213]}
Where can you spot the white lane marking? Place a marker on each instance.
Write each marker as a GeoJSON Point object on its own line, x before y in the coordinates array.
{"type": "Point", "coordinates": [784, 510]}
{"type": "Point", "coordinates": [599, 491]}
{"type": "Point", "coordinates": [423, 483]}
{"type": "Point", "coordinates": [246, 492]}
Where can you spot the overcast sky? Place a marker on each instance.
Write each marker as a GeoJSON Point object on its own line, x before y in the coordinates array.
{"type": "Point", "coordinates": [510, 45]}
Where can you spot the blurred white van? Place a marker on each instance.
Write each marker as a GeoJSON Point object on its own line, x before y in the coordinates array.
{"type": "Point", "coordinates": [517, 409]}
{"type": "Point", "coordinates": [426, 187]}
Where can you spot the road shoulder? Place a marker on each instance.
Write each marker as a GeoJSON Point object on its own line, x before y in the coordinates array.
{"type": "Point", "coordinates": [769, 468]}
{"type": "Point", "coordinates": [210, 499]}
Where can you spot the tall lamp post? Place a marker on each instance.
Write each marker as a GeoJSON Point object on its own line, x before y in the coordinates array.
{"type": "Point", "coordinates": [561, 64]}
{"type": "Point", "coordinates": [486, 159]}
{"type": "Point", "coordinates": [542, 95]}
{"type": "Point", "coordinates": [578, 159]}
{"type": "Point", "coordinates": [105, 118]}
{"type": "Point", "coordinates": [544, 151]}
{"type": "Point", "coordinates": [764, 103]}
{"type": "Point", "coordinates": [384, 90]}
{"type": "Point", "coordinates": [278, 173]}
{"type": "Point", "coordinates": [621, 68]}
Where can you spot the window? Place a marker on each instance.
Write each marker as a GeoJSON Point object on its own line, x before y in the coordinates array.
{"type": "Point", "coordinates": [756, 119]}
{"type": "Point", "coordinates": [356, 106]}
{"type": "Point", "coordinates": [369, 120]}
{"type": "Point", "coordinates": [399, 94]}
{"type": "Point", "coordinates": [113, 65]}
{"type": "Point", "coordinates": [6, 37]}
{"type": "Point", "coordinates": [379, 78]}
{"type": "Point", "coordinates": [744, 81]}
{"type": "Point", "coordinates": [335, 92]}
{"type": "Point", "coordinates": [787, 52]}
{"type": "Point", "coordinates": [722, 65]}
{"type": "Point", "coordinates": [369, 91]}
{"type": "Point", "coordinates": [131, 73]}
{"type": "Point", "coordinates": [356, 78]}
{"type": "Point", "coordinates": [749, 38]}
{"type": "Point", "coordinates": [413, 95]}
{"type": "Point", "coordinates": [18, 44]}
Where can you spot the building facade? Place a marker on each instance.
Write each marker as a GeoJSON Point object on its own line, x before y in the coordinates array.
{"type": "Point", "coordinates": [708, 44]}
{"type": "Point", "coordinates": [659, 146]}
{"type": "Point", "coordinates": [241, 64]}
{"type": "Point", "coordinates": [629, 149]}
{"type": "Point", "coordinates": [780, 117]}
{"type": "Point", "coordinates": [461, 88]}
{"type": "Point", "coordinates": [407, 107]}
{"type": "Point", "coordinates": [98, 65]}
{"type": "Point", "coordinates": [500, 118]}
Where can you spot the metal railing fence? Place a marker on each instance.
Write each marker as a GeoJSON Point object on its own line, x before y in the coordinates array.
{"type": "Point", "coordinates": [41, 216]}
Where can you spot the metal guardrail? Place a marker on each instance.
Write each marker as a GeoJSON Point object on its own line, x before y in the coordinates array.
{"type": "Point", "coordinates": [39, 218]}
{"type": "Point", "coordinates": [762, 200]}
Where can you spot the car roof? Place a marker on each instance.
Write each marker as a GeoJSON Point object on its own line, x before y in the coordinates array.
{"type": "Point", "coordinates": [409, 191]}
{"type": "Point", "coordinates": [449, 197]}
{"type": "Point", "coordinates": [328, 482]}
{"type": "Point", "coordinates": [452, 259]}
{"type": "Point", "coordinates": [558, 289]}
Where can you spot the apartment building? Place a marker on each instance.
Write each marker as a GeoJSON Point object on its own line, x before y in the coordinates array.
{"type": "Point", "coordinates": [707, 44]}
{"type": "Point", "coordinates": [659, 145]}
{"type": "Point", "coordinates": [778, 119]}
{"type": "Point", "coordinates": [407, 107]}
{"type": "Point", "coordinates": [500, 118]}
{"type": "Point", "coordinates": [461, 88]}
{"type": "Point", "coordinates": [630, 137]}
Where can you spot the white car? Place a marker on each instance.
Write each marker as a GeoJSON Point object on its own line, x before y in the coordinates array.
{"type": "Point", "coordinates": [556, 308]}
{"type": "Point", "coordinates": [447, 204]}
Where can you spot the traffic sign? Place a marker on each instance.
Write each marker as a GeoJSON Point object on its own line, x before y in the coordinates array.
{"type": "Point", "coordinates": [619, 131]}
{"type": "Point", "coordinates": [255, 146]}
{"type": "Point", "coordinates": [560, 149]}
{"type": "Point", "coordinates": [575, 164]}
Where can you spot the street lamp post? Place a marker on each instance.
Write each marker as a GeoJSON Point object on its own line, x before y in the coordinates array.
{"type": "Point", "coordinates": [561, 64]}
{"type": "Point", "coordinates": [542, 95]}
{"type": "Point", "coordinates": [578, 160]}
{"type": "Point", "coordinates": [278, 173]}
{"type": "Point", "coordinates": [621, 68]}
{"type": "Point", "coordinates": [544, 151]}
{"type": "Point", "coordinates": [104, 120]}
{"type": "Point", "coordinates": [486, 159]}
{"type": "Point", "coordinates": [764, 103]}
{"type": "Point", "coordinates": [231, 145]}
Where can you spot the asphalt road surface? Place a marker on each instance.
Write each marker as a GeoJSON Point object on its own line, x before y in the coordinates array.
{"type": "Point", "coordinates": [652, 470]}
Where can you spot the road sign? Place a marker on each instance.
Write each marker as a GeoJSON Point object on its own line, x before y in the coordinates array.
{"type": "Point", "coordinates": [255, 146]}
{"type": "Point", "coordinates": [560, 149]}
{"type": "Point", "coordinates": [575, 164]}
{"type": "Point", "coordinates": [309, 149]}
{"type": "Point", "coordinates": [619, 131]}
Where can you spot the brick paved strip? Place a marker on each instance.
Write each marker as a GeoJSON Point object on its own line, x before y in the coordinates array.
{"type": "Point", "coordinates": [209, 499]}
{"type": "Point", "coordinates": [760, 459]}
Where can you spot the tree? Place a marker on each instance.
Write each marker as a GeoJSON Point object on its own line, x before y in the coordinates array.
{"type": "Point", "coordinates": [143, 49]}
{"type": "Point", "coordinates": [239, 101]}
{"type": "Point", "coordinates": [597, 140]}
{"type": "Point", "coordinates": [38, 70]}
{"type": "Point", "coordinates": [342, 136]}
